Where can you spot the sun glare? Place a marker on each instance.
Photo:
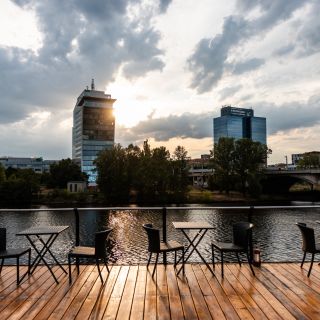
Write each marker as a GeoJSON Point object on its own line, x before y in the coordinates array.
{"type": "Point", "coordinates": [131, 107]}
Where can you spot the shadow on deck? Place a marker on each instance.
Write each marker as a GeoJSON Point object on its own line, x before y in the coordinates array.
{"type": "Point", "coordinates": [279, 291]}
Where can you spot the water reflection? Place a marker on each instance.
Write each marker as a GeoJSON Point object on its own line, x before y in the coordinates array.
{"type": "Point", "coordinates": [275, 232]}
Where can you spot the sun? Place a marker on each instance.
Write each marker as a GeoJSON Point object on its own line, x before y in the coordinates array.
{"type": "Point", "coordinates": [130, 107]}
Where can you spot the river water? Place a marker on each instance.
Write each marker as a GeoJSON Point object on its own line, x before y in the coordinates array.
{"type": "Point", "coordinates": [275, 232]}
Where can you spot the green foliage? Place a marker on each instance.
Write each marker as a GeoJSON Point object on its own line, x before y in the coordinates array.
{"type": "Point", "coordinates": [309, 161]}
{"type": "Point", "coordinates": [64, 171]}
{"type": "Point", "coordinates": [20, 186]}
{"type": "Point", "coordinates": [238, 162]}
{"type": "Point", "coordinates": [148, 173]}
{"type": "Point", "coordinates": [2, 174]}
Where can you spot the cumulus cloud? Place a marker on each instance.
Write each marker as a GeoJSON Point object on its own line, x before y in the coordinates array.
{"type": "Point", "coordinates": [209, 59]}
{"type": "Point", "coordinates": [187, 125]}
{"type": "Point", "coordinates": [229, 91]}
{"type": "Point", "coordinates": [248, 65]}
{"type": "Point", "coordinates": [280, 118]}
{"type": "Point", "coordinates": [80, 39]}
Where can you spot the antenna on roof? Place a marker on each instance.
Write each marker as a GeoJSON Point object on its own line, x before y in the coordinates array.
{"type": "Point", "coordinates": [92, 84]}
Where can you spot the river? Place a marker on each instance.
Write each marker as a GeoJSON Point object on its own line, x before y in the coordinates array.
{"type": "Point", "coordinates": [275, 232]}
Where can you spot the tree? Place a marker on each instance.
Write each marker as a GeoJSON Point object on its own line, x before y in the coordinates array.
{"type": "Point", "coordinates": [309, 161]}
{"type": "Point", "coordinates": [249, 158]}
{"type": "Point", "coordinates": [2, 174]}
{"type": "Point", "coordinates": [179, 179]}
{"type": "Point", "coordinates": [222, 159]}
{"type": "Point", "coordinates": [64, 171]}
{"type": "Point", "coordinates": [238, 160]}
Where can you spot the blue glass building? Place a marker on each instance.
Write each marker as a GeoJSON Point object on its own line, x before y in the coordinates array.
{"type": "Point", "coordinates": [93, 129]}
{"type": "Point", "coordinates": [239, 123]}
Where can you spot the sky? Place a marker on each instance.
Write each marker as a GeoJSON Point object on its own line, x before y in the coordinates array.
{"type": "Point", "coordinates": [171, 65]}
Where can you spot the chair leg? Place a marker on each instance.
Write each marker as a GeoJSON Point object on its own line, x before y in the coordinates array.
{"type": "Point", "coordinates": [312, 258]}
{"type": "Point", "coordinates": [239, 261]}
{"type": "Point", "coordinates": [2, 260]}
{"type": "Point", "coordinates": [222, 264]}
{"type": "Point", "coordinates": [100, 275]}
{"type": "Point", "coordinates": [18, 267]}
{"type": "Point", "coordinates": [212, 250]}
{"type": "Point", "coordinates": [150, 255]}
{"type": "Point", "coordinates": [77, 263]}
{"type": "Point", "coordinates": [69, 267]}
{"type": "Point", "coordinates": [175, 258]}
{"type": "Point", "coordinates": [250, 265]}
{"type": "Point", "coordinates": [155, 265]}
{"type": "Point", "coordinates": [304, 256]}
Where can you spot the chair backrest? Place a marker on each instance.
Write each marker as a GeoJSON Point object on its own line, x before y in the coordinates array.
{"type": "Point", "coordinates": [101, 238]}
{"type": "Point", "coordinates": [3, 239]}
{"type": "Point", "coordinates": [153, 237]}
{"type": "Point", "coordinates": [308, 240]}
{"type": "Point", "coordinates": [242, 234]}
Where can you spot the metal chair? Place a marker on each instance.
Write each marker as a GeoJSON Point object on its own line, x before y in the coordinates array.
{"type": "Point", "coordinates": [12, 253]}
{"type": "Point", "coordinates": [242, 234]}
{"type": "Point", "coordinates": [308, 243]}
{"type": "Point", "coordinates": [156, 246]}
{"type": "Point", "coordinates": [97, 252]}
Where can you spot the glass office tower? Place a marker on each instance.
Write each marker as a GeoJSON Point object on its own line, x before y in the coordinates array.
{"type": "Point", "coordinates": [93, 129]}
{"type": "Point", "coordinates": [239, 123]}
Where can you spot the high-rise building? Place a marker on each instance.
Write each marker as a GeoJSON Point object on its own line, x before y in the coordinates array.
{"type": "Point", "coordinates": [239, 123]}
{"type": "Point", "coordinates": [93, 129]}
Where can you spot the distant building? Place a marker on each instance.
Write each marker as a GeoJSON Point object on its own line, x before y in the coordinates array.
{"type": "Point", "coordinates": [93, 129]}
{"type": "Point", "coordinates": [239, 123]}
{"type": "Point", "coordinates": [37, 164]}
{"type": "Point", "coordinates": [296, 157]}
{"type": "Point", "coordinates": [76, 186]}
{"type": "Point", "coordinates": [200, 171]}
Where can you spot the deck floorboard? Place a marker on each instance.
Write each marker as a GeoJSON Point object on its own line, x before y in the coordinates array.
{"type": "Point", "coordinates": [278, 291]}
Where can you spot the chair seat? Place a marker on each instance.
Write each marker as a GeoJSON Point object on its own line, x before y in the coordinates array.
{"type": "Point", "coordinates": [227, 246]}
{"type": "Point", "coordinates": [170, 246]}
{"type": "Point", "coordinates": [82, 251]}
{"type": "Point", "coordinates": [13, 253]}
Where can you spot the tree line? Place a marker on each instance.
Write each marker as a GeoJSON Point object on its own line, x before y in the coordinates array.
{"type": "Point", "coordinates": [143, 174]}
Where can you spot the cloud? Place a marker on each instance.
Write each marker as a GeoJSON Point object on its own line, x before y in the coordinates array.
{"type": "Point", "coordinates": [80, 40]}
{"type": "Point", "coordinates": [280, 118]}
{"type": "Point", "coordinates": [209, 59]}
{"type": "Point", "coordinates": [187, 125]}
{"type": "Point", "coordinates": [282, 51]}
{"type": "Point", "coordinates": [248, 65]}
{"type": "Point", "coordinates": [229, 91]}
{"type": "Point", "coordinates": [164, 4]}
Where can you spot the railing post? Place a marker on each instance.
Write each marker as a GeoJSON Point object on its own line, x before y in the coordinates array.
{"type": "Point", "coordinates": [250, 235]}
{"type": "Point", "coordinates": [164, 231]}
{"type": "Point", "coordinates": [76, 213]}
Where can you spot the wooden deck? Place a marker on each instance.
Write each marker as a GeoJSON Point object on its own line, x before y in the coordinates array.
{"type": "Point", "coordinates": [279, 291]}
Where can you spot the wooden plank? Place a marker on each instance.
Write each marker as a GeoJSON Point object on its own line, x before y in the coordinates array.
{"type": "Point", "coordinates": [137, 309]}
{"type": "Point", "coordinates": [92, 298]}
{"type": "Point", "coordinates": [253, 293]}
{"type": "Point", "coordinates": [114, 301]}
{"type": "Point", "coordinates": [127, 296]}
{"type": "Point", "coordinates": [105, 294]}
{"type": "Point", "coordinates": [43, 308]}
{"type": "Point", "coordinates": [32, 296]}
{"type": "Point", "coordinates": [163, 307]}
{"type": "Point", "coordinates": [285, 296]}
{"type": "Point", "coordinates": [174, 294]}
{"type": "Point", "coordinates": [150, 305]}
{"type": "Point", "coordinates": [236, 302]}
{"type": "Point", "coordinates": [211, 300]}
{"type": "Point", "coordinates": [269, 297]}
{"type": "Point", "coordinates": [81, 296]}
{"type": "Point", "coordinates": [189, 309]}
{"type": "Point", "coordinates": [198, 299]}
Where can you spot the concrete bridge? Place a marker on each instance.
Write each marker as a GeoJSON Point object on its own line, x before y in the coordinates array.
{"type": "Point", "coordinates": [280, 180]}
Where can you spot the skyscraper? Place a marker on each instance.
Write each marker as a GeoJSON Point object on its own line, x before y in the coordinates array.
{"type": "Point", "coordinates": [93, 128]}
{"type": "Point", "coordinates": [239, 123]}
